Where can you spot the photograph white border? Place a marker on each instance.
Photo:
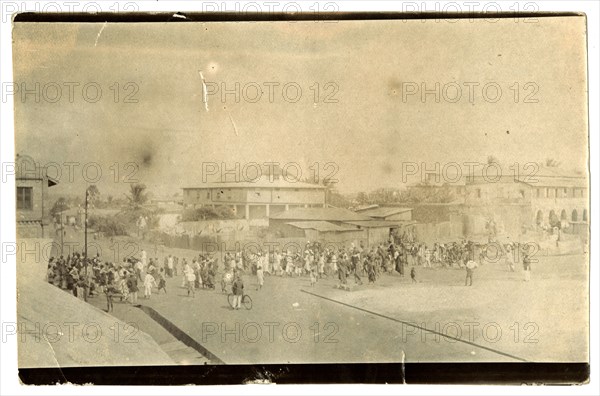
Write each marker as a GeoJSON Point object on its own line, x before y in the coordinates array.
{"type": "Point", "coordinates": [9, 382]}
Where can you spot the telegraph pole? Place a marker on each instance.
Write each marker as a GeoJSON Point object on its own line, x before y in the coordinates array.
{"type": "Point", "coordinates": [62, 232]}
{"type": "Point", "coordinates": [87, 194]}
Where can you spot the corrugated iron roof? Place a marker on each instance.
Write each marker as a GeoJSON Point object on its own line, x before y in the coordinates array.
{"type": "Point", "coordinates": [321, 226]}
{"type": "Point", "coordinates": [263, 182]}
{"type": "Point", "coordinates": [381, 223]}
{"type": "Point", "coordinates": [383, 211]}
{"type": "Point", "coordinates": [323, 214]}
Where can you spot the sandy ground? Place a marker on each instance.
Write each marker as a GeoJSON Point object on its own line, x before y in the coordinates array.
{"type": "Point", "coordinates": [500, 318]}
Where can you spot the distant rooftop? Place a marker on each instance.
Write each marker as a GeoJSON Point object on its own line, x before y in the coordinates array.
{"type": "Point", "coordinates": [381, 223]}
{"type": "Point", "coordinates": [541, 181]}
{"type": "Point", "coordinates": [321, 226]}
{"type": "Point", "coordinates": [320, 214]}
{"type": "Point", "coordinates": [522, 172]}
{"type": "Point", "coordinates": [383, 212]}
{"type": "Point", "coordinates": [263, 182]}
{"type": "Point", "coordinates": [538, 175]}
{"type": "Point", "coordinates": [365, 207]}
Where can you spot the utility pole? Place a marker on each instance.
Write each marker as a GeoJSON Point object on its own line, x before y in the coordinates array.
{"type": "Point", "coordinates": [85, 254]}
{"type": "Point", "coordinates": [87, 193]}
{"type": "Point", "coordinates": [62, 232]}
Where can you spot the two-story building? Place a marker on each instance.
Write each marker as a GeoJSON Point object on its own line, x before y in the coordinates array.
{"type": "Point", "coordinates": [546, 198]}
{"type": "Point", "coordinates": [507, 200]}
{"type": "Point", "coordinates": [261, 198]}
{"type": "Point", "coordinates": [32, 210]}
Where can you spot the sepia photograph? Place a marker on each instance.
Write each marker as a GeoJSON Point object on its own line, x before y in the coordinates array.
{"type": "Point", "coordinates": [196, 192]}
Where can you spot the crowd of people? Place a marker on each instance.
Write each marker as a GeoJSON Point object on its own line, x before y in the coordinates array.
{"type": "Point", "coordinates": [357, 261]}
{"type": "Point", "coordinates": [86, 277]}
{"type": "Point", "coordinates": [90, 277]}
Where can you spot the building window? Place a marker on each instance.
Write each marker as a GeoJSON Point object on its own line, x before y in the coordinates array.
{"type": "Point", "coordinates": [25, 198]}
{"type": "Point", "coordinates": [538, 192]}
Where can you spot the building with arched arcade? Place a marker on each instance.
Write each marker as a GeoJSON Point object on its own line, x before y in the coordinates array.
{"type": "Point", "coordinates": [545, 198]}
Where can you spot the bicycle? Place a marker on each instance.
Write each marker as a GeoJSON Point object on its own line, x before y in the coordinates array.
{"type": "Point", "coordinates": [246, 301]}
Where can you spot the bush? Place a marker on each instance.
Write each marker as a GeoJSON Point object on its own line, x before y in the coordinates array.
{"type": "Point", "coordinates": [108, 225]}
{"type": "Point", "coordinates": [131, 216]}
{"type": "Point", "coordinates": [208, 213]}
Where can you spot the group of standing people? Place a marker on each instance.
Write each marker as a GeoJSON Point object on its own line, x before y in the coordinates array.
{"type": "Point", "coordinates": [89, 277]}
{"type": "Point", "coordinates": [86, 277]}
{"type": "Point", "coordinates": [199, 274]}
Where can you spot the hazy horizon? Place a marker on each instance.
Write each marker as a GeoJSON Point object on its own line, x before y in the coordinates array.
{"type": "Point", "coordinates": [369, 132]}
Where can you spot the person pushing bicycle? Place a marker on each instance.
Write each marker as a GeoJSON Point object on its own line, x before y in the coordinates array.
{"type": "Point", "coordinates": [238, 290]}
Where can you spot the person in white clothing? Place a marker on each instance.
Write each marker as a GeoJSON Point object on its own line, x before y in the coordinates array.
{"type": "Point", "coordinates": [276, 263]}
{"type": "Point", "coordinates": [170, 265]}
{"type": "Point", "coordinates": [186, 269]}
{"type": "Point", "coordinates": [510, 262]}
{"type": "Point", "coordinates": [144, 258]}
{"type": "Point", "coordinates": [149, 281]}
{"type": "Point", "coordinates": [267, 265]}
{"type": "Point", "coordinates": [321, 265]}
{"type": "Point", "coordinates": [139, 269]}
{"type": "Point", "coordinates": [289, 263]}
{"type": "Point", "coordinates": [260, 277]}
{"type": "Point", "coordinates": [190, 279]}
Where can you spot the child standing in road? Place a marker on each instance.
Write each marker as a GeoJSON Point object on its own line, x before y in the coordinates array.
{"type": "Point", "coordinates": [413, 275]}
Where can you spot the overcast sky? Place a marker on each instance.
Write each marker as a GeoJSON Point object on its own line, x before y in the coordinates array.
{"type": "Point", "coordinates": [369, 132]}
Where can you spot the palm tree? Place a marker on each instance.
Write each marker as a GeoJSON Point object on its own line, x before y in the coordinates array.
{"type": "Point", "coordinates": [137, 196]}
